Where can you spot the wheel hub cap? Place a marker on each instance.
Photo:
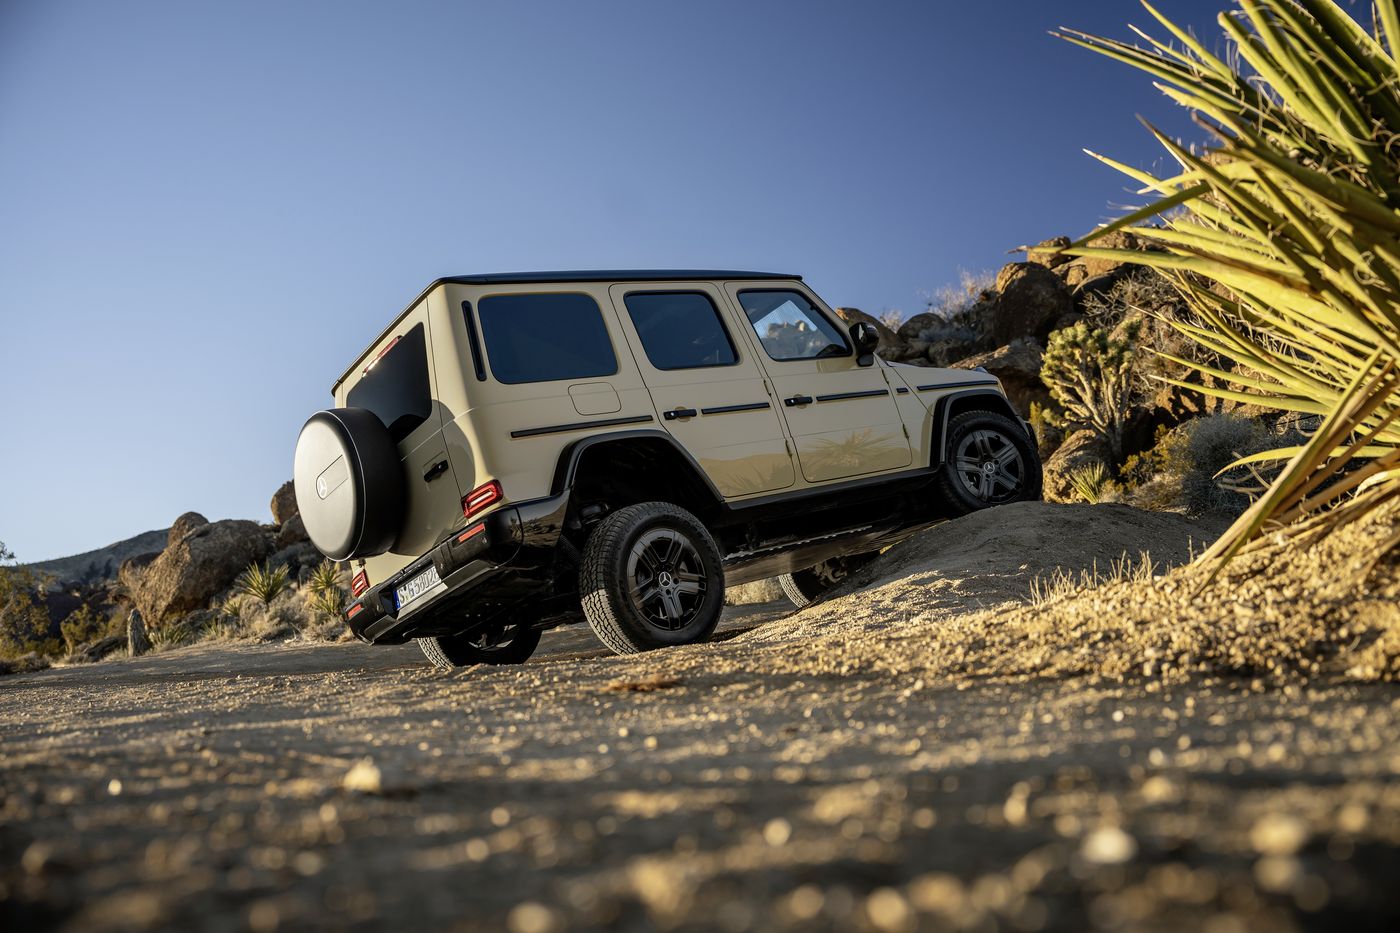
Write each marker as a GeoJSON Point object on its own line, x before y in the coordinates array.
{"type": "Point", "coordinates": [667, 579]}
{"type": "Point", "coordinates": [989, 465]}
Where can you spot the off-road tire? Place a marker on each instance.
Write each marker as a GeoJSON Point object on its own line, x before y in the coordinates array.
{"type": "Point", "coordinates": [605, 585]}
{"type": "Point", "coordinates": [448, 652]}
{"type": "Point", "coordinates": [955, 491]}
{"type": "Point", "coordinates": [804, 587]}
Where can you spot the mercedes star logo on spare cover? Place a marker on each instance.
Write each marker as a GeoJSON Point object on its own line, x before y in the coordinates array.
{"type": "Point", "coordinates": [321, 489]}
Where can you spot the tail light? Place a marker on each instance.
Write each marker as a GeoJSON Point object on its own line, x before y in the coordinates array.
{"type": "Point", "coordinates": [359, 583]}
{"type": "Point", "coordinates": [354, 611]}
{"type": "Point", "coordinates": [481, 497]}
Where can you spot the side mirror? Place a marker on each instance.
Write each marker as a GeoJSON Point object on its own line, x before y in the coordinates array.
{"type": "Point", "coordinates": [865, 338]}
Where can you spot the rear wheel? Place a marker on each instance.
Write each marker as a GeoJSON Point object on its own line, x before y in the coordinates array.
{"type": "Point", "coordinates": [990, 460]}
{"type": "Point", "coordinates": [501, 644]}
{"type": "Point", "coordinates": [804, 587]}
{"type": "Point", "coordinates": [651, 577]}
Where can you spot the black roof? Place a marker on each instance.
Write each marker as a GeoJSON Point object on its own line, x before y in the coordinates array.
{"type": "Point", "coordinates": [610, 275]}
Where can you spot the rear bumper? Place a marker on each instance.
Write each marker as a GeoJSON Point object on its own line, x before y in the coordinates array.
{"type": "Point", "coordinates": [486, 568]}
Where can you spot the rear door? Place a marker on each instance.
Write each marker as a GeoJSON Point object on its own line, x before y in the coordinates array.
{"type": "Point", "coordinates": [706, 384]}
{"type": "Point", "coordinates": [398, 384]}
{"type": "Point", "coordinates": [842, 416]}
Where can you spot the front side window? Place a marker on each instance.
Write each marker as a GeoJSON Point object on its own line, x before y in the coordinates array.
{"type": "Point", "coordinates": [396, 386]}
{"type": "Point", "coordinates": [680, 330]}
{"type": "Point", "coordinates": [790, 328]}
{"type": "Point", "coordinates": [542, 338]}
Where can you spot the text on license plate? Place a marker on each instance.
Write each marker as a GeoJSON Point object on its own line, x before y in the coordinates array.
{"type": "Point", "coordinates": [416, 587]}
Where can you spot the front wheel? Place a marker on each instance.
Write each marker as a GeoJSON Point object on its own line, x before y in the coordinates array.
{"type": "Point", "coordinates": [990, 460]}
{"type": "Point", "coordinates": [651, 577]}
{"type": "Point", "coordinates": [500, 644]}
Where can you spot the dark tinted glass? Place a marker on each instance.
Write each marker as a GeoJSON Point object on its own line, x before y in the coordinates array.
{"type": "Point", "coordinates": [540, 338]}
{"type": "Point", "coordinates": [396, 387]}
{"type": "Point", "coordinates": [790, 328]}
{"type": "Point", "coordinates": [680, 330]}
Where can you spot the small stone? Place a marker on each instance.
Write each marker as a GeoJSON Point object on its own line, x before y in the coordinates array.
{"type": "Point", "coordinates": [364, 777]}
{"type": "Point", "coordinates": [777, 832]}
{"type": "Point", "coordinates": [532, 917]}
{"type": "Point", "coordinates": [1278, 834]}
{"type": "Point", "coordinates": [1108, 845]}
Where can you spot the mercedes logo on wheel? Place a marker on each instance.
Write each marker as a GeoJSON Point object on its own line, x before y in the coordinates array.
{"type": "Point", "coordinates": [664, 578]}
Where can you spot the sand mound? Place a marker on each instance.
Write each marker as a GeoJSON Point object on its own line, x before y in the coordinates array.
{"type": "Point", "coordinates": [992, 557]}
{"type": "Point", "coordinates": [953, 603]}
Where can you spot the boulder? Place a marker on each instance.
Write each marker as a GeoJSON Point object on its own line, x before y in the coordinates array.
{"type": "Point", "coordinates": [918, 325]}
{"type": "Point", "coordinates": [137, 641]}
{"type": "Point", "coordinates": [1118, 239]}
{"type": "Point", "coordinates": [1017, 365]}
{"type": "Point", "coordinates": [948, 351]}
{"type": "Point", "coordinates": [1030, 299]}
{"type": "Point", "coordinates": [184, 525]}
{"type": "Point", "coordinates": [131, 570]}
{"type": "Point", "coordinates": [891, 347]}
{"type": "Point", "coordinates": [293, 531]}
{"type": "Point", "coordinates": [196, 568]}
{"type": "Point", "coordinates": [284, 503]}
{"type": "Point", "coordinates": [1047, 252]}
{"type": "Point", "coordinates": [1079, 450]}
{"type": "Point", "coordinates": [97, 650]}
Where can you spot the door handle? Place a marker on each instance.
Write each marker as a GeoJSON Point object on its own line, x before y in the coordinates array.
{"type": "Point", "coordinates": [797, 400]}
{"type": "Point", "coordinates": [434, 471]}
{"type": "Point", "coordinates": [675, 413]}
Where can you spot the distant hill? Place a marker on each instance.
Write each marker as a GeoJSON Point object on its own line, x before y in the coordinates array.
{"type": "Point", "coordinates": [101, 564]}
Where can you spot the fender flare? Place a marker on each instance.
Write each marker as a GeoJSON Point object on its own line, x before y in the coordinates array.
{"type": "Point", "coordinates": [997, 403]}
{"type": "Point", "coordinates": [566, 470]}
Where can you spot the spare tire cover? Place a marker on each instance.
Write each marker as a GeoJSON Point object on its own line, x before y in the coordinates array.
{"type": "Point", "coordinates": [349, 483]}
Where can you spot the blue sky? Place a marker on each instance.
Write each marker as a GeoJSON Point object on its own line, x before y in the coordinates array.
{"type": "Point", "coordinates": [206, 210]}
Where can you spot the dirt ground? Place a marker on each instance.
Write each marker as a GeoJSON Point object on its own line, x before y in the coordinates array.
{"type": "Point", "coordinates": [814, 770]}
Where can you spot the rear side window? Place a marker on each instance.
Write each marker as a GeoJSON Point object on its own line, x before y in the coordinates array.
{"type": "Point", "coordinates": [396, 386]}
{"type": "Point", "coordinates": [542, 338]}
{"type": "Point", "coordinates": [680, 330]}
{"type": "Point", "coordinates": [789, 327]}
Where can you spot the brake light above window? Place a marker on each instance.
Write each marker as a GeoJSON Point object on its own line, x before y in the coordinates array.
{"type": "Point", "coordinates": [481, 497]}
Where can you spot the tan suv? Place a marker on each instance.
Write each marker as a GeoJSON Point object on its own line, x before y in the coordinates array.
{"type": "Point", "coordinates": [516, 452]}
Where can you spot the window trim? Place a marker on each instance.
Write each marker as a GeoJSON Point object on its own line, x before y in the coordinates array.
{"type": "Point", "coordinates": [473, 342]}
{"type": "Point", "coordinates": [719, 319]}
{"type": "Point", "coordinates": [602, 319]}
{"type": "Point", "coordinates": [841, 331]}
{"type": "Point", "coordinates": [420, 327]}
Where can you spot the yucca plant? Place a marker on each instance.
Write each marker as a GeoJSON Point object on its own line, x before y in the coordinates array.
{"type": "Point", "coordinates": [1284, 240]}
{"type": "Point", "coordinates": [1091, 482]}
{"type": "Point", "coordinates": [328, 596]}
{"type": "Point", "coordinates": [262, 582]}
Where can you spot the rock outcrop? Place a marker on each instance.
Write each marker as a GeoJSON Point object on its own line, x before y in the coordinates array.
{"type": "Point", "coordinates": [1017, 365]}
{"type": "Point", "coordinates": [195, 569]}
{"type": "Point", "coordinates": [1030, 300]}
{"type": "Point", "coordinates": [1080, 449]}
{"type": "Point", "coordinates": [284, 504]}
{"type": "Point", "coordinates": [184, 525]}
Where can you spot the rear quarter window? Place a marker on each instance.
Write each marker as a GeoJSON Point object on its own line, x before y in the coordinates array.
{"type": "Point", "coordinates": [545, 338]}
{"type": "Point", "coordinates": [396, 387]}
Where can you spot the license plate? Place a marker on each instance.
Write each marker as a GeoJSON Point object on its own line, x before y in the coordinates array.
{"type": "Point", "coordinates": [420, 585]}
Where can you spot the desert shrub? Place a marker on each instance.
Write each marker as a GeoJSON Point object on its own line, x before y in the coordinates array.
{"type": "Point", "coordinates": [1092, 483]}
{"type": "Point", "coordinates": [751, 594]}
{"type": "Point", "coordinates": [1090, 377]}
{"type": "Point", "coordinates": [84, 625]}
{"type": "Point", "coordinates": [1281, 240]}
{"type": "Point", "coordinates": [1180, 472]}
{"type": "Point", "coordinates": [891, 318]}
{"type": "Point", "coordinates": [1049, 435]}
{"type": "Point", "coordinates": [262, 582]}
{"type": "Point", "coordinates": [24, 622]}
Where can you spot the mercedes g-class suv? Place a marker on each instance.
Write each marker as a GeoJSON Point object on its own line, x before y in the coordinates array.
{"type": "Point", "coordinates": [516, 452]}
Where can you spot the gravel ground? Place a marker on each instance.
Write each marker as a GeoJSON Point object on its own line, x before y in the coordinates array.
{"type": "Point", "coordinates": [816, 770]}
